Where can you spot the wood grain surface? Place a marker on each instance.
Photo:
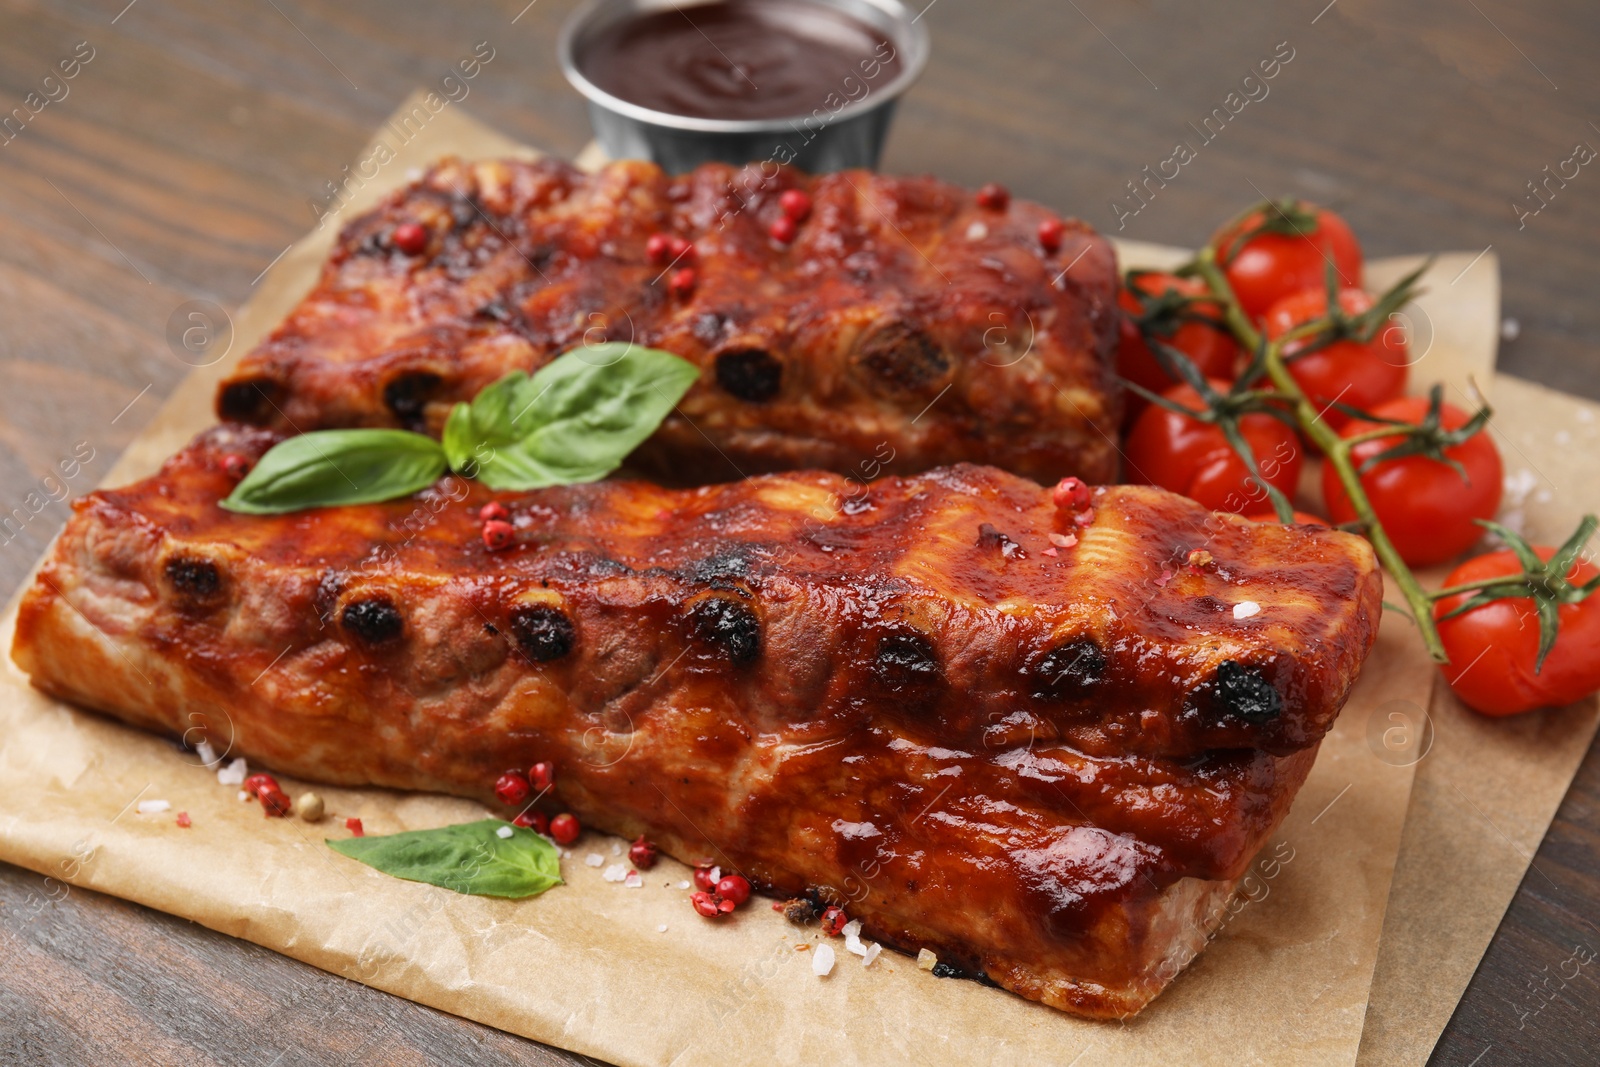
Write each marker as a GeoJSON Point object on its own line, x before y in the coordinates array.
{"type": "Point", "coordinates": [196, 141]}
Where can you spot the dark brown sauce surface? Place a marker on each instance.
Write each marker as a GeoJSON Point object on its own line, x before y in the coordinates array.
{"type": "Point", "coordinates": [742, 59]}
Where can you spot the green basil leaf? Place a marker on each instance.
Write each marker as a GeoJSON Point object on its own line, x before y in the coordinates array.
{"type": "Point", "coordinates": [465, 858]}
{"type": "Point", "coordinates": [577, 419]}
{"type": "Point", "coordinates": [460, 438]}
{"type": "Point", "coordinates": [473, 429]}
{"type": "Point", "coordinates": [328, 467]}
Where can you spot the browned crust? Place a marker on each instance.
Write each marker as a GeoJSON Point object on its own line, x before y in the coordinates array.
{"type": "Point", "coordinates": [906, 328]}
{"type": "Point", "coordinates": [1067, 856]}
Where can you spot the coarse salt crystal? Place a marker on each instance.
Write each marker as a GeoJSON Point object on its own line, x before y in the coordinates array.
{"type": "Point", "coordinates": [616, 848]}
{"type": "Point", "coordinates": [234, 773]}
{"type": "Point", "coordinates": [822, 961]}
{"type": "Point", "coordinates": [1246, 608]}
{"type": "Point", "coordinates": [661, 929]}
{"type": "Point", "coordinates": [207, 754]}
{"type": "Point", "coordinates": [594, 859]}
{"type": "Point", "coordinates": [633, 881]}
{"type": "Point", "coordinates": [851, 929]}
{"type": "Point", "coordinates": [243, 795]}
{"type": "Point", "coordinates": [614, 873]}
{"type": "Point", "coordinates": [683, 885]}
{"type": "Point", "coordinates": [151, 807]}
{"type": "Point", "coordinates": [855, 945]}
{"type": "Point", "coordinates": [504, 831]}
{"type": "Point", "coordinates": [977, 231]}
{"type": "Point", "coordinates": [927, 960]}
{"type": "Point", "coordinates": [871, 954]}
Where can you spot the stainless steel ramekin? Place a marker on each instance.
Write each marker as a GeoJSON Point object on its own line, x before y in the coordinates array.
{"type": "Point", "coordinates": [851, 136]}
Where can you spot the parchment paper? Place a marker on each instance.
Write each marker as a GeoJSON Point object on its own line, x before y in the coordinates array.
{"type": "Point", "coordinates": [587, 966]}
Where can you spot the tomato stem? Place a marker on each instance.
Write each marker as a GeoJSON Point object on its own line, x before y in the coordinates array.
{"type": "Point", "coordinates": [1335, 449]}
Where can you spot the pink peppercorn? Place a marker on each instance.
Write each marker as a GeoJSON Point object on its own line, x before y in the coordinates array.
{"type": "Point", "coordinates": [1051, 231]}
{"type": "Point", "coordinates": [410, 238]}
{"type": "Point", "coordinates": [796, 204]}
{"type": "Point", "coordinates": [497, 535]}
{"type": "Point", "coordinates": [734, 887]}
{"type": "Point", "coordinates": [511, 788]}
{"type": "Point", "coordinates": [683, 281]}
{"type": "Point", "coordinates": [565, 828]}
{"type": "Point", "coordinates": [994, 196]}
{"type": "Point", "coordinates": [494, 511]}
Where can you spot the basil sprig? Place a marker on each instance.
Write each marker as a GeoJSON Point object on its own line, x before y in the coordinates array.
{"type": "Point", "coordinates": [466, 858]}
{"type": "Point", "coordinates": [573, 421]}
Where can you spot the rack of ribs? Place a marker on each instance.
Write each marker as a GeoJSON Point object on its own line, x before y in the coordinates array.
{"type": "Point", "coordinates": [1037, 740]}
{"type": "Point", "coordinates": [905, 327]}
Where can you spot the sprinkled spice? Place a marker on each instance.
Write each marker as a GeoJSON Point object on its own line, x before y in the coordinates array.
{"type": "Point", "coordinates": [511, 788]}
{"type": "Point", "coordinates": [310, 807]}
{"type": "Point", "coordinates": [235, 466]}
{"type": "Point", "coordinates": [1071, 494]}
{"type": "Point", "coordinates": [1199, 559]}
{"type": "Point", "coordinates": [705, 903]}
{"type": "Point", "coordinates": [542, 776]}
{"type": "Point", "coordinates": [659, 248]}
{"type": "Point", "coordinates": [796, 204]}
{"type": "Point", "coordinates": [410, 238]}
{"type": "Point", "coordinates": [183, 820]}
{"type": "Point", "coordinates": [706, 877]}
{"type": "Point", "coordinates": [1063, 540]}
{"type": "Point", "coordinates": [537, 821]}
{"type": "Point", "coordinates": [497, 535]}
{"type": "Point", "coordinates": [1051, 231]}
{"type": "Point", "coordinates": [494, 511]}
{"type": "Point", "coordinates": [274, 803]}
{"type": "Point", "coordinates": [353, 824]}
{"type": "Point", "coordinates": [834, 920]}
{"type": "Point", "coordinates": [682, 282]}
{"type": "Point", "coordinates": [994, 196]}
{"type": "Point", "coordinates": [783, 230]}
{"type": "Point", "coordinates": [565, 828]}
{"type": "Point", "coordinates": [680, 249]}
{"type": "Point", "coordinates": [257, 782]}
{"type": "Point", "coordinates": [642, 854]}
{"type": "Point", "coordinates": [734, 887]}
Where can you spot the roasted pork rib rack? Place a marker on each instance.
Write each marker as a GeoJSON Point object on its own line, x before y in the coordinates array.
{"type": "Point", "coordinates": [1046, 761]}
{"type": "Point", "coordinates": [905, 327]}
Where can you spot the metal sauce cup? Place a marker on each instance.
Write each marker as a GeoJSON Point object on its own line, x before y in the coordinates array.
{"type": "Point", "coordinates": [827, 139]}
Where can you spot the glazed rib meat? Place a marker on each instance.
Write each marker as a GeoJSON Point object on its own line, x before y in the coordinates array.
{"type": "Point", "coordinates": [903, 328]}
{"type": "Point", "coordinates": [1046, 761]}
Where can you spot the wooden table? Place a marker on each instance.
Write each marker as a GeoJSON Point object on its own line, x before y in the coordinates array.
{"type": "Point", "coordinates": [188, 150]}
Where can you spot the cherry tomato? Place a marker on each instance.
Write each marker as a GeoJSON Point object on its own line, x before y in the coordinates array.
{"type": "Point", "coordinates": [1361, 375]}
{"type": "Point", "coordinates": [1270, 266]}
{"type": "Point", "coordinates": [1302, 518]}
{"type": "Point", "coordinates": [1426, 506]}
{"type": "Point", "coordinates": [1211, 349]}
{"type": "Point", "coordinates": [1493, 648]}
{"type": "Point", "coordinates": [1183, 454]}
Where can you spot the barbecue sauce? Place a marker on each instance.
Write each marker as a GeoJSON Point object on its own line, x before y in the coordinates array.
{"type": "Point", "coordinates": [741, 59]}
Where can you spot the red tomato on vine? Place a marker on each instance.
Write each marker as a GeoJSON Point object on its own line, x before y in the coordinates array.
{"type": "Point", "coordinates": [1285, 247]}
{"type": "Point", "coordinates": [1362, 374]}
{"type": "Point", "coordinates": [1189, 456]}
{"type": "Point", "coordinates": [1157, 297]}
{"type": "Point", "coordinates": [1428, 508]}
{"type": "Point", "coordinates": [1494, 647]}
